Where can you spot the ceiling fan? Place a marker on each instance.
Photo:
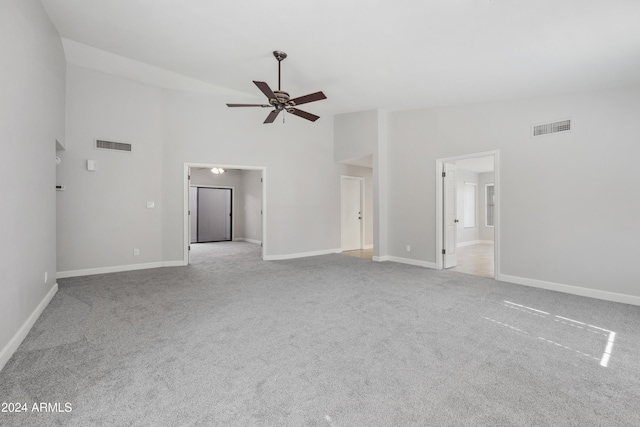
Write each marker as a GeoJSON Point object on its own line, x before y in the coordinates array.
{"type": "Point", "coordinates": [280, 100]}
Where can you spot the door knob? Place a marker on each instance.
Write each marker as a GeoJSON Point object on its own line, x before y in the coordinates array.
{"type": "Point", "coordinates": [455, 220]}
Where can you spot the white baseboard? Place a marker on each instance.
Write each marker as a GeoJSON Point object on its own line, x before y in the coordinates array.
{"type": "Point", "coordinates": [301, 255]}
{"type": "Point", "coordinates": [570, 289]}
{"type": "Point", "coordinates": [17, 339]}
{"type": "Point", "coordinates": [245, 239]}
{"type": "Point", "coordinates": [172, 263]}
{"type": "Point", "coordinates": [409, 261]}
{"type": "Point", "coordinates": [117, 268]}
{"type": "Point", "coordinates": [475, 242]}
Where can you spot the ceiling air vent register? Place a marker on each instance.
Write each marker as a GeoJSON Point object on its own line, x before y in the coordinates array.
{"type": "Point", "coordinates": [110, 145]}
{"type": "Point", "coordinates": [551, 128]}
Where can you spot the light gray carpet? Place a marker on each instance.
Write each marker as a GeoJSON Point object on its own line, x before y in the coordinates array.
{"type": "Point", "coordinates": [327, 341]}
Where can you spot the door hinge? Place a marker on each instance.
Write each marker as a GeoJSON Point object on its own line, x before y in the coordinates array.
{"type": "Point", "coordinates": [189, 176]}
{"type": "Point", "coordinates": [444, 174]}
{"type": "Point", "coordinates": [189, 247]}
{"type": "Point", "coordinates": [444, 252]}
{"type": "Point", "coordinates": [260, 212]}
{"type": "Point", "coordinates": [189, 212]}
{"type": "Point", "coordinates": [260, 179]}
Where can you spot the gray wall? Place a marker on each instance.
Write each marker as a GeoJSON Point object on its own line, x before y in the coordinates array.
{"type": "Point", "coordinates": [355, 135]}
{"type": "Point", "coordinates": [103, 215]}
{"type": "Point", "coordinates": [252, 205]}
{"type": "Point", "coordinates": [303, 181]}
{"type": "Point", "coordinates": [486, 233]}
{"type": "Point", "coordinates": [367, 173]}
{"type": "Point", "coordinates": [552, 227]}
{"type": "Point", "coordinates": [480, 232]}
{"type": "Point", "coordinates": [466, 235]}
{"type": "Point", "coordinates": [358, 135]}
{"type": "Point", "coordinates": [31, 119]}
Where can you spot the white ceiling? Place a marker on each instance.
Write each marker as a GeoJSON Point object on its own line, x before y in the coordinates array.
{"type": "Point", "coordinates": [366, 54]}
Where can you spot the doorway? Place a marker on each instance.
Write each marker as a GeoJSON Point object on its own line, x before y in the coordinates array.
{"type": "Point", "coordinates": [352, 213]}
{"type": "Point", "coordinates": [211, 211]}
{"type": "Point", "coordinates": [467, 214]}
{"type": "Point", "coordinates": [234, 199]}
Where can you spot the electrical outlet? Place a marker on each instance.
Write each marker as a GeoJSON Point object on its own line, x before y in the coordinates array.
{"type": "Point", "coordinates": [136, 252]}
{"type": "Point", "coordinates": [408, 248]}
{"type": "Point", "coordinates": [46, 276]}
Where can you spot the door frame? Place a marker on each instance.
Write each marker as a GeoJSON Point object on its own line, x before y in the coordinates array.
{"type": "Point", "coordinates": [233, 206]}
{"type": "Point", "coordinates": [362, 207]}
{"type": "Point", "coordinates": [439, 206]}
{"type": "Point", "coordinates": [185, 203]}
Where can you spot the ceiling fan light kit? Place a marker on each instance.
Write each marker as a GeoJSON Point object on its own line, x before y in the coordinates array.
{"type": "Point", "coordinates": [280, 100]}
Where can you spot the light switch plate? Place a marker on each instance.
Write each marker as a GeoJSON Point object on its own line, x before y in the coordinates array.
{"type": "Point", "coordinates": [151, 205]}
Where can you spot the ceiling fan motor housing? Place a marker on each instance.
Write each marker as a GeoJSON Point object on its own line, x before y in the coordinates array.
{"type": "Point", "coordinates": [281, 96]}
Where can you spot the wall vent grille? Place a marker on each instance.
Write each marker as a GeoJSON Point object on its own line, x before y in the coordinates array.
{"type": "Point", "coordinates": [549, 128]}
{"type": "Point", "coordinates": [110, 145]}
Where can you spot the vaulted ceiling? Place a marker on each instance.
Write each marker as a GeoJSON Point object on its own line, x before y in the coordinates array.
{"type": "Point", "coordinates": [371, 54]}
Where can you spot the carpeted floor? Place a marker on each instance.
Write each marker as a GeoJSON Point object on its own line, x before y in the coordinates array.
{"type": "Point", "coordinates": [325, 341]}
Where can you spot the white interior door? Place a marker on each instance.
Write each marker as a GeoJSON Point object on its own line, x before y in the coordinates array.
{"type": "Point", "coordinates": [450, 229]}
{"type": "Point", "coordinates": [351, 213]}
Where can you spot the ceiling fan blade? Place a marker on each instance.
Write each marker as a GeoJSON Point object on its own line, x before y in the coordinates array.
{"type": "Point", "coordinates": [265, 89]}
{"type": "Point", "coordinates": [308, 98]}
{"type": "Point", "coordinates": [303, 114]}
{"type": "Point", "coordinates": [272, 116]}
{"type": "Point", "coordinates": [248, 105]}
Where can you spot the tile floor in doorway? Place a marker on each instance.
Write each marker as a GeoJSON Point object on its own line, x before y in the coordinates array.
{"type": "Point", "coordinates": [360, 253]}
{"type": "Point", "coordinates": [475, 259]}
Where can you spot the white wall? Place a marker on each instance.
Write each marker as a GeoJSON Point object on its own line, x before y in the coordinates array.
{"type": "Point", "coordinates": [32, 91]}
{"type": "Point", "coordinates": [568, 210]}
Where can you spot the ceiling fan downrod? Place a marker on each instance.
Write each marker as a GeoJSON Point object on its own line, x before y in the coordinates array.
{"type": "Point", "coordinates": [279, 56]}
